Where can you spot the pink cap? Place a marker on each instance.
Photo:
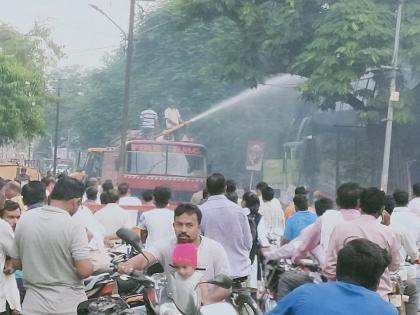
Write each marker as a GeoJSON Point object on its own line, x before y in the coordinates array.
{"type": "Point", "coordinates": [185, 254]}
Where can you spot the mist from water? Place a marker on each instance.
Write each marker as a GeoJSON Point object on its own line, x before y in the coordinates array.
{"type": "Point", "coordinates": [281, 81]}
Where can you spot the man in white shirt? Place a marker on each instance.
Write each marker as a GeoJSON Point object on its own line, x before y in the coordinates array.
{"type": "Point", "coordinates": [259, 188]}
{"type": "Point", "coordinates": [407, 225]}
{"type": "Point", "coordinates": [112, 216]}
{"type": "Point", "coordinates": [172, 117]}
{"type": "Point", "coordinates": [93, 182]}
{"type": "Point", "coordinates": [272, 213]}
{"type": "Point", "coordinates": [6, 245]}
{"type": "Point", "coordinates": [211, 256]}
{"type": "Point", "coordinates": [96, 235]}
{"type": "Point", "coordinates": [127, 200]}
{"type": "Point", "coordinates": [51, 248]}
{"type": "Point", "coordinates": [403, 216]}
{"type": "Point", "coordinates": [414, 204]}
{"type": "Point", "coordinates": [11, 214]}
{"type": "Point", "coordinates": [157, 224]}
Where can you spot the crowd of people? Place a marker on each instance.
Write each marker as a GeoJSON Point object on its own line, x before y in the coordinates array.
{"type": "Point", "coordinates": [54, 233]}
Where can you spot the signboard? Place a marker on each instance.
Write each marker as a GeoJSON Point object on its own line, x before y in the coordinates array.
{"type": "Point", "coordinates": [145, 147]}
{"type": "Point", "coordinates": [273, 172]}
{"type": "Point", "coordinates": [254, 155]}
{"type": "Point", "coordinates": [395, 96]}
{"type": "Point", "coordinates": [183, 149]}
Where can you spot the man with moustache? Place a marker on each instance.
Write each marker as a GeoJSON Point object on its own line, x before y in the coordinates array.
{"type": "Point", "coordinates": [212, 258]}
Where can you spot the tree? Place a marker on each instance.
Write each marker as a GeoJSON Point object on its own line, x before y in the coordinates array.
{"type": "Point", "coordinates": [168, 63]}
{"type": "Point", "coordinates": [172, 61]}
{"type": "Point", "coordinates": [22, 87]}
{"type": "Point", "coordinates": [333, 45]}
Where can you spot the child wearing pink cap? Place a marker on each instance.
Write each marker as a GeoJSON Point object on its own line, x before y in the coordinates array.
{"type": "Point", "coordinates": [184, 259]}
{"type": "Point", "coordinates": [187, 276]}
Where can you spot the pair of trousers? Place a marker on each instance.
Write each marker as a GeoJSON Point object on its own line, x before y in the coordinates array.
{"type": "Point", "coordinates": [411, 291]}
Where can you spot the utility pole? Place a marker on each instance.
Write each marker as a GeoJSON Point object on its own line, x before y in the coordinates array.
{"type": "Point", "coordinates": [124, 118]}
{"type": "Point", "coordinates": [394, 97]}
{"type": "Point", "coordinates": [95, 7]}
{"type": "Point", "coordinates": [57, 118]}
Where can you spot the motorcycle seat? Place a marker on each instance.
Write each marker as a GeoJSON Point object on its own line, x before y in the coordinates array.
{"type": "Point", "coordinates": [90, 282]}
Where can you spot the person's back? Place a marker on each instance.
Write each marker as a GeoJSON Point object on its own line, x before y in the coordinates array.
{"type": "Point", "coordinates": [318, 234]}
{"type": "Point", "coordinates": [414, 204]}
{"type": "Point", "coordinates": [366, 226]}
{"type": "Point", "coordinates": [86, 218]}
{"type": "Point", "coordinates": [360, 264]}
{"type": "Point", "coordinates": [362, 228]}
{"type": "Point", "coordinates": [226, 223]}
{"type": "Point", "coordinates": [148, 119]}
{"type": "Point", "coordinates": [408, 220]}
{"type": "Point", "coordinates": [291, 209]}
{"type": "Point", "coordinates": [402, 215]}
{"type": "Point", "coordinates": [172, 117]}
{"type": "Point", "coordinates": [53, 251]}
{"type": "Point", "coordinates": [157, 224]}
{"type": "Point", "coordinates": [127, 200]}
{"type": "Point", "coordinates": [33, 194]}
{"type": "Point", "coordinates": [112, 216]}
{"type": "Point", "coordinates": [272, 213]}
{"type": "Point", "coordinates": [334, 298]}
{"type": "Point", "coordinates": [301, 219]}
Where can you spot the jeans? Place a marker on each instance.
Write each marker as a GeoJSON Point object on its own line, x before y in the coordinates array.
{"type": "Point", "coordinates": [411, 291]}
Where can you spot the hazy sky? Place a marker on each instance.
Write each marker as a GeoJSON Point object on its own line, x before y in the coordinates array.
{"type": "Point", "coordinates": [85, 33]}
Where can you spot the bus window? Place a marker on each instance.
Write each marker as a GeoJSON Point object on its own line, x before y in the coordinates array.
{"type": "Point", "coordinates": [180, 164]}
{"type": "Point", "coordinates": [140, 162]}
{"type": "Point", "coordinates": [93, 164]}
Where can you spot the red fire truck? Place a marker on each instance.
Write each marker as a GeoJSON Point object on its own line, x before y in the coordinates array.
{"type": "Point", "coordinates": [180, 166]}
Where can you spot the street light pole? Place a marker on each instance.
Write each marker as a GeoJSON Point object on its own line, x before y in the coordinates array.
{"type": "Point", "coordinates": [57, 117]}
{"type": "Point", "coordinates": [124, 117]}
{"type": "Point", "coordinates": [110, 19]}
{"type": "Point", "coordinates": [392, 99]}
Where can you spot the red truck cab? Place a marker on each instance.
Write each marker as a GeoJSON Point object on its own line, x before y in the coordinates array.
{"type": "Point", "coordinates": [180, 166]}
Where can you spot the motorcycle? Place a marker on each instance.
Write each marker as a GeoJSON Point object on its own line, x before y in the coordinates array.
{"type": "Point", "coordinates": [241, 298]}
{"type": "Point", "coordinates": [398, 298]}
{"type": "Point", "coordinates": [105, 305]}
{"type": "Point", "coordinates": [98, 285]}
{"type": "Point", "coordinates": [155, 296]}
{"type": "Point", "coordinates": [282, 277]}
{"type": "Point", "coordinates": [189, 302]}
{"type": "Point", "coordinates": [110, 282]}
{"type": "Point", "coordinates": [147, 291]}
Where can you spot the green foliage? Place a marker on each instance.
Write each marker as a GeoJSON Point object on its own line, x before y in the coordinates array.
{"type": "Point", "coordinates": [331, 44]}
{"type": "Point", "coordinates": [344, 46]}
{"type": "Point", "coordinates": [98, 119]}
{"type": "Point", "coordinates": [168, 63]}
{"type": "Point", "coordinates": [22, 87]}
{"type": "Point", "coordinates": [172, 61]}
